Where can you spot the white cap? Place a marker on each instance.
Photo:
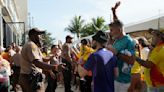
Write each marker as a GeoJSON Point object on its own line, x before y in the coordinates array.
{"type": "Point", "coordinates": [2, 49]}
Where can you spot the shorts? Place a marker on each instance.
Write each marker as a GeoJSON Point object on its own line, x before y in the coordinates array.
{"type": "Point", "coordinates": [121, 87]}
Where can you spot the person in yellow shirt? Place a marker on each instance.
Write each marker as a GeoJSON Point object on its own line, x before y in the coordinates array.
{"type": "Point", "coordinates": [154, 74]}
{"type": "Point", "coordinates": [135, 85]}
{"type": "Point", "coordinates": [44, 52]}
{"type": "Point", "coordinates": [137, 71]}
{"type": "Point", "coordinates": [85, 51]}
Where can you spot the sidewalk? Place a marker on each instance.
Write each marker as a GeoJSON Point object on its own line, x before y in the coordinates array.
{"type": "Point", "coordinates": [61, 89]}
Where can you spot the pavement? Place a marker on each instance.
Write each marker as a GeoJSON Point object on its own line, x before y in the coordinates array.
{"type": "Point", "coordinates": [60, 88]}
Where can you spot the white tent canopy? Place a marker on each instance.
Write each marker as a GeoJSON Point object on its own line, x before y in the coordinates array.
{"type": "Point", "coordinates": [145, 24]}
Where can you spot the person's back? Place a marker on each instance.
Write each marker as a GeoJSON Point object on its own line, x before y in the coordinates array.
{"type": "Point", "coordinates": [16, 59]}
{"type": "Point", "coordinates": [103, 64]}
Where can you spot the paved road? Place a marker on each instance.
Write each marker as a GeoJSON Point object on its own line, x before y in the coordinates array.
{"type": "Point", "coordinates": [61, 89]}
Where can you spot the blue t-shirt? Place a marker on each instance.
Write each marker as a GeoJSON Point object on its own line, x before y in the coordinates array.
{"type": "Point", "coordinates": [102, 64]}
{"type": "Point", "coordinates": [125, 43]}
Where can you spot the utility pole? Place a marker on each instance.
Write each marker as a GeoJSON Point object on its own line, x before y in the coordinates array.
{"type": "Point", "coordinates": [29, 20]}
{"type": "Point", "coordinates": [32, 18]}
{"type": "Point", "coordinates": [159, 19]}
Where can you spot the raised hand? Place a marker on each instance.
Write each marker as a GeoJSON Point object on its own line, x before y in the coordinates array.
{"type": "Point", "coordinates": [117, 4]}
{"type": "Point", "coordinates": [114, 11]}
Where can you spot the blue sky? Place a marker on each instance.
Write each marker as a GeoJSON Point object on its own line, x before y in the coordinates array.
{"type": "Point", "coordinates": [55, 15]}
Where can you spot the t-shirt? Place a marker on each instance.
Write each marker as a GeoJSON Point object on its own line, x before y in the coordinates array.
{"type": "Point", "coordinates": [12, 52]}
{"type": "Point", "coordinates": [125, 43]}
{"type": "Point", "coordinates": [6, 56]}
{"type": "Point", "coordinates": [16, 59]}
{"type": "Point", "coordinates": [30, 52]}
{"type": "Point", "coordinates": [102, 64]}
{"type": "Point", "coordinates": [83, 55]}
{"type": "Point", "coordinates": [155, 76]}
{"type": "Point", "coordinates": [85, 51]}
{"type": "Point", "coordinates": [66, 51]}
{"type": "Point", "coordinates": [136, 68]}
{"type": "Point", "coordinates": [144, 53]}
{"type": "Point", "coordinates": [44, 54]}
{"type": "Point", "coordinates": [5, 70]}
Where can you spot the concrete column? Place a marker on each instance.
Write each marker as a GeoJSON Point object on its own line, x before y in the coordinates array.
{"type": "Point", "coordinates": [1, 27]}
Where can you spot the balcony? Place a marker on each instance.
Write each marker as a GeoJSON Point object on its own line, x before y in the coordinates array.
{"type": "Point", "coordinates": [9, 9]}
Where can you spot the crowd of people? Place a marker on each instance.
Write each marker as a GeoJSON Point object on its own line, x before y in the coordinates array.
{"type": "Point", "coordinates": [110, 62]}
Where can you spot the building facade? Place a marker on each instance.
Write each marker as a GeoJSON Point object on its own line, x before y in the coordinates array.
{"type": "Point", "coordinates": [13, 22]}
{"type": "Point", "coordinates": [140, 29]}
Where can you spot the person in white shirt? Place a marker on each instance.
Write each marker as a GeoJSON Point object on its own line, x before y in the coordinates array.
{"type": "Point", "coordinates": [144, 48]}
{"type": "Point", "coordinates": [144, 52]}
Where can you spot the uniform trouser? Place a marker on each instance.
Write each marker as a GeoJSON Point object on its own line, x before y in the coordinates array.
{"type": "Point", "coordinates": [24, 81]}
{"type": "Point", "coordinates": [67, 75]}
{"type": "Point", "coordinates": [15, 76]}
{"type": "Point", "coordinates": [85, 85]}
{"type": "Point", "coordinates": [52, 84]}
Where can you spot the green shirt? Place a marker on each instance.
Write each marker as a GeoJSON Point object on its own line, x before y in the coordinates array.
{"type": "Point", "coordinates": [125, 43]}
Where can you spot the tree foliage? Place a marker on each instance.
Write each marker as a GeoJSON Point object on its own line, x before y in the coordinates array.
{"type": "Point", "coordinates": [76, 26]}
{"type": "Point", "coordinates": [48, 41]}
{"type": "Point", "coordinates": [96, 25]}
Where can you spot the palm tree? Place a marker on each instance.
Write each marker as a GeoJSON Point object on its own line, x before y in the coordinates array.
{"type": "Point", "coordinates": [76, 26]}
{"type": "Point", "coordinates": [87, 30]}
{"type": "Point", "coordinates": [48, 40]}
{"type": "Point", "coordinates": [96, 25]}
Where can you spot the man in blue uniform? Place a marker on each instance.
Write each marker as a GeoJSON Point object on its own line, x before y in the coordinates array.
{"type": "Point", "coordinates": [103, 65]}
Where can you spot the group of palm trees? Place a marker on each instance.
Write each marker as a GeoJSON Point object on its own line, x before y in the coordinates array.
{"type": "Point", "coordinates": [81, 29]}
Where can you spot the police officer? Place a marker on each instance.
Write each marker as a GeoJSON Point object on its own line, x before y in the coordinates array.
{"type": "Point", "coordinates": [32, 61]}
{"type": "Point", "coordinates": [67, 51]}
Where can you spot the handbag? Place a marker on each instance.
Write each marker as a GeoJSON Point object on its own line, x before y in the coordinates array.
{"type": "Point", "coordinates": [36, 79]}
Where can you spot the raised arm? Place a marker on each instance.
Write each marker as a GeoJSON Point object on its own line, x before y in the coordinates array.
{"type": "Point", "coordinates": [114, 11]}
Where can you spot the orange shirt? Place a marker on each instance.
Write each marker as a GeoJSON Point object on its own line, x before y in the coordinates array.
{"type": "Point", "coordinates": [6, 56]}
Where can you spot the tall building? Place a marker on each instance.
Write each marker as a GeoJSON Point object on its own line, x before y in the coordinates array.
{"type": "Point", "coordinates": [13, 21]}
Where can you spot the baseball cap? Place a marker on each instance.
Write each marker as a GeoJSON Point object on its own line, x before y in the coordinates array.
{"type": "Point", "coordinates": [69, 37]}
{"type": "Point", "coordinates": [35, 31]}
{"type": "Point", "coordinates": [100, 36]}
{"type": "Point", "coordinates": [2, 49]}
